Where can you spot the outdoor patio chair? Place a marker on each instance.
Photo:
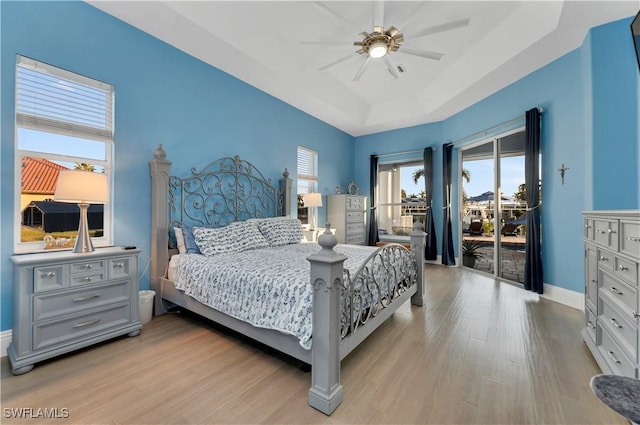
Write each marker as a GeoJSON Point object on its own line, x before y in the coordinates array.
{"type": "Point", "coordinates": [475, 228]}
{"type": "Point", "coordinates": [509, 229]}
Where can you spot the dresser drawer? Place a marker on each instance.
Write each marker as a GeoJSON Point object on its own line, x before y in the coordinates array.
{"type": "Point", "coordinates": [588, 229]}
{"type": "Point", "coordinates": [87, 266]}
{"type": "Point", "coordinates": [605, 259]}
{"type": "Point", "coordinates": [355, 203]}
{"type": "Point", "coordinates": [355, 228]}
{"type": "Point", "coordinates": [625, 332]}
{"type": "Point", "coordinates": [120, 267]}
{"type": "Point", "coordinates": [630, 238]}
{"type": "Point", "coordinates": [606, 233]}
{"type": "Point", "coordinates": [49, 306]}
{"type": "Point", "coordinates": [354, 216]}
{"type": "Point", "coordinates": [84, 325]}
{"type": "Point", "coordinates": [48, 278]}
{"type": "Point", "coordinates": [88, 279]}
{"type": "Point", "coordinates": [624, 295]}
{"type": "Point", "coordinates": [626, 270]}
{"type": "Point", "coordinates": [355, 240]}
{"type": "Point", "coordinates": [614, 355]}
{"type": "Point", "coordinates": [590, 324]}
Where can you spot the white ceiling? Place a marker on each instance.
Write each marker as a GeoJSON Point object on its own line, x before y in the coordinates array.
{"type": "Point", "coordinates": [259, 42]}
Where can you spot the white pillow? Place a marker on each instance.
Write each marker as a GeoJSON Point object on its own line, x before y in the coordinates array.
{"type": "Point", "coordinates": [179, 240]}
{"type": "Point", "coordinates": [281, 232]}
{"type": "Point", "coordinates": [236, 237]}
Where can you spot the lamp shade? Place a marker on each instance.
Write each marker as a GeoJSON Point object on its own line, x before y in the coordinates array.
{"type": "Point", "coordinates": [82, 187]}
{"type": "Point", "coordinates": [313, 199]}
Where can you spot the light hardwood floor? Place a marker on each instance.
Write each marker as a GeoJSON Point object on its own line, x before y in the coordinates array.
{"type": "Point", "coordinates": [479, 352]}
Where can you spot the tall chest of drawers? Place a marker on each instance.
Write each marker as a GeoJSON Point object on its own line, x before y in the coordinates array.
{"type": "Point", "coordinates": [612, 303]}
{"type": "Point", "coordinates": [63, 301]}
{"type": "Point", "coordinates": [345, 213]}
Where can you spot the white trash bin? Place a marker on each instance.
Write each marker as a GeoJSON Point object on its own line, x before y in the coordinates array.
{"type": "Point", "coordinates": [146, 305]}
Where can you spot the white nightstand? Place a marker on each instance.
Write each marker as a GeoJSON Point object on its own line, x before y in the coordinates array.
{"type": "Point", "coordinates": [63, 301]}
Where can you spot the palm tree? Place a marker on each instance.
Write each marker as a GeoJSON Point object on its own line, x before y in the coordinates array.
{"type": "Point", "coordinates": [466, 175]}
{"type": "Point", "coordinates": [84, 167]}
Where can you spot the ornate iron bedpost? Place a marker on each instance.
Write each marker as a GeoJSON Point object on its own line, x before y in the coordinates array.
{"type": "Point", "coordinates": [160, 170]}
{"type": "Point", "coordinates": [327, 272]}
{"type": "Point", "coordinates": [418, 238]}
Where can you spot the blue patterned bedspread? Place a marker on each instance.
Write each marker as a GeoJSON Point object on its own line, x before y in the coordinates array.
{"type": "Point", "coordinates": [268, 288]}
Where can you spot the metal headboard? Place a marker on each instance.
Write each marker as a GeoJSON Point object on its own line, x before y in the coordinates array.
{"type": "Point", "coordinates": [226, 190]}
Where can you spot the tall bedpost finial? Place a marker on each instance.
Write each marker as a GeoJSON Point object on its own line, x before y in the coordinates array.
{"type": "Point", "coordinates": [285, 173]}
{"type": "Point", "coordinates": [159, 153]}
{"type": "Point", "coordinates": [418, 239]}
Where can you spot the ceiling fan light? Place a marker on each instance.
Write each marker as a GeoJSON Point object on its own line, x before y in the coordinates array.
{"type": "Point", "coordinates": [378, 50]}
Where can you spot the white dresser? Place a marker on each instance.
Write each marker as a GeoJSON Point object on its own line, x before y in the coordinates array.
{"type": "Point", "coordinates": [612, 307]}
{"type": "Point", "coordinates": [63, 301]}
{"type": "Point", "coordinates": [345, 213]}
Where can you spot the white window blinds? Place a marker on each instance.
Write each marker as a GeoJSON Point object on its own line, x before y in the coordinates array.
{"type": "Point", "coordinates": [307, 164]}
{"type": "Point", "coordinates": [54, 100]}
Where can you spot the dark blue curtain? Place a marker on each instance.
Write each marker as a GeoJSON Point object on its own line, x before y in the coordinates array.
{"type": "Point", "coordinates": [431, 248]}
{"type": "Point", "coordinates": [448, 255]}
{"type": "Point", "coordinates": [533, 254]}
{"type": "Point", "coordinates": [373, 181]}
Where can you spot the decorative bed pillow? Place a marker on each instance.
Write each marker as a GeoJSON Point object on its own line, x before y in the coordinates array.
{"type": "Point", "coordinates": [236, 237]}
{"type": "Point", "coordinates": [280, 232]}
{"type": "Point", "coordinates": [189, 241]}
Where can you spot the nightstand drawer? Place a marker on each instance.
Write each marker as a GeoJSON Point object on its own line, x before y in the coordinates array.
{"type": "Point", "coordinates": [48, 278]}
{"type": "Point", "coordinates": [626, 270]}
{"type": "Point", "coordinates": [54, 305]}
{"type": "Point", "coordinates": [56, 332]}
{"type": "Point", "coordinates": [88, 279]}
{"type": "Point", "coordinates": [87, 266]}
{"type": "Point", "coordinates": [119, 267]}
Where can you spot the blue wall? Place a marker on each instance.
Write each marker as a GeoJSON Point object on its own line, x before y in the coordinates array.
{"type": "Point", "coordinates": [590, 123]}
{"type": "Point", "coordinates": [197, 112]}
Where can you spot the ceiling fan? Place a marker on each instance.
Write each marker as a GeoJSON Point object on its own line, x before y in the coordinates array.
{"type": "Point", "coordinates": [379, 43]}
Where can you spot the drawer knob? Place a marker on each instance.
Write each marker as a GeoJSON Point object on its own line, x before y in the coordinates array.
{"type": "Point", "coordinates": [88, 266]}
{"type": "Point", "coordinates": [612, 356]}
{"type": "Point", "coordinates": [615, 290]}
{"type": "Point", "coordinates": [87, 323]}
{"type": "Point", "coordinates": [88, 297]}
{"type": "Point", "coordinates": [603, 258]}
{"type": "Point", "coordinates": [118, 265]}
{"type": "Point", "coordinates": [611, 231]}
{"type": "Point", "coordinates": [600, 231]}
{"type": "Point", "coordinates": [631, 238]}
{"type": "Point", "coordinates": [590, 324]}
{"type": "Point", "coordinates": [51, 274]}
{"type": "Point", "coordinates": [615, 323]}
{"type": "Point", "coordinates": [88, 278]}
{"type": "Point", "coordinates": [622, 268]}
{"type": "Point", "coordinates": [586, 226]}
{"type": "Point", "coordinates": [635, 314]}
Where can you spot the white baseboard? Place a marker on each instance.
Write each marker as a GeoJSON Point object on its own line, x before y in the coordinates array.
{"type": "Point", "coordinates": [5, 339]}
{"type": "Point", "coordinates": [564, 296]}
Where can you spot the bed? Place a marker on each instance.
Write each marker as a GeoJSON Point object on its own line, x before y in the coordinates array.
{"type": "Point", "coordinates": [330, 297]}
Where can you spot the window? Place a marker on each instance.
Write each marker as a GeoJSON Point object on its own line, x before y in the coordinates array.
{"type": "Point", "coordinates": [400, 200]}
{"type": "Point", "coordinates": [63, 120]}
{"type": "Point", "coordinates": [307, 181]}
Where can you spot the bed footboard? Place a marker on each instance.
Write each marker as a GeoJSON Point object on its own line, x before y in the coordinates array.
{"type": "Point", "coordinates": [390, 276]}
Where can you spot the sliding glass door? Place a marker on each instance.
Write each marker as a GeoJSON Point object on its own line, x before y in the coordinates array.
{"type": "Point", "coordinates": [493, 207]}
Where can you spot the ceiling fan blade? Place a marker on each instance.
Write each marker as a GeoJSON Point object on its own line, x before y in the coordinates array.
{"type": "Point", "coordinates": [378, 14]}
{"type": "Point", "coordinates": [393, 69]}
{"type": "Point", "coordinates": [336, 62]}
{"type": "Point", "coordinates": [422, 53]}
{"type": "Point", "coordinates": [362, 68]}
{"type": "Point", "coordinates": [440, 28]}
{"type": "Point", "coordinates": [328, 43]}
{"type": "Point", "coordinates": [349, 25]}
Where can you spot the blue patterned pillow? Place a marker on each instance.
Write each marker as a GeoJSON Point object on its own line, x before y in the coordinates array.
{"type": "Point", "coordinates": [280, 232]}
{"type": "Point", "coordinates": [236, 237]}
{"type": "Point", "coordinates": [189, 241]}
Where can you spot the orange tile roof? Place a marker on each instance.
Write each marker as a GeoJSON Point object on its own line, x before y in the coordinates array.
{"type": "Point", "coordinates": [39, 175]}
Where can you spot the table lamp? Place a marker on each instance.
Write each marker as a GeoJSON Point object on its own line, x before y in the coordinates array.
{"type": "Point", "coordinates": [83, 188]}
{"type": "Point", "coordinates": [312, 201]}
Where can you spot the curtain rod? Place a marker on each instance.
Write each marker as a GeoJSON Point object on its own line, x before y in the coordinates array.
{"type": "Point", "coordinates": [401, 153]}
